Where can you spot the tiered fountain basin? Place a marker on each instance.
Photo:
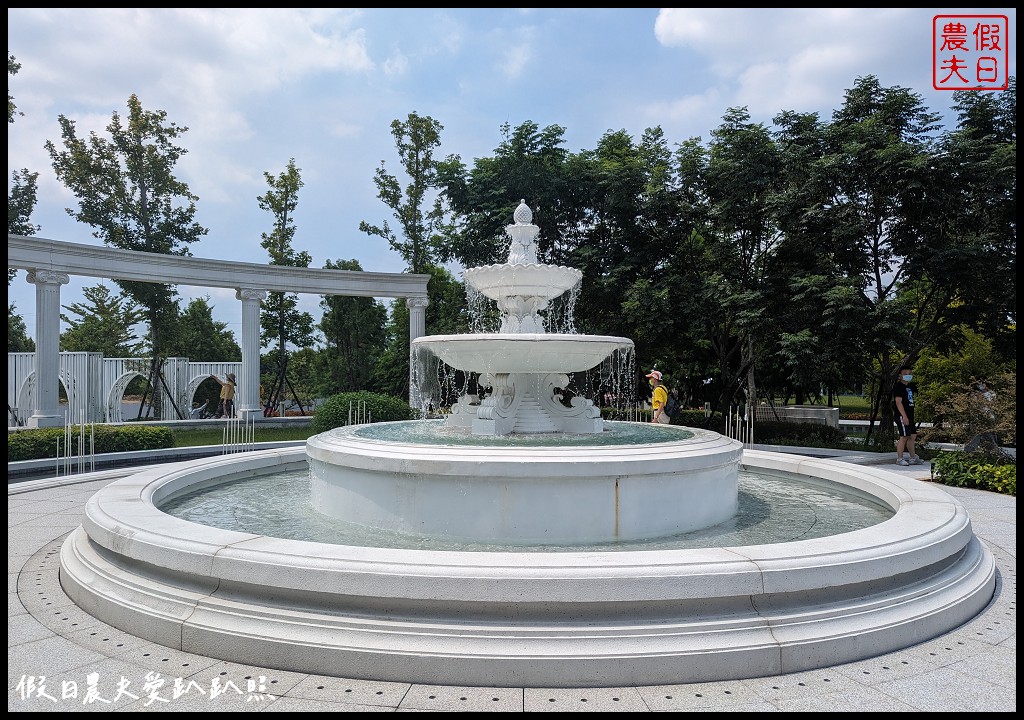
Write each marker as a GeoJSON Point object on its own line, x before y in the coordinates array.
{"type": "Point", "coordinates": [535, 353]}
{"type": "Point", "coordinates": [668, 480]}
{"type": "Point", "coordinates": [534, 280]}
{"type": "Point", "coordinates": [528, 619]}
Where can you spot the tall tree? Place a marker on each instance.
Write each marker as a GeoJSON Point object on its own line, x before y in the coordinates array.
{"type": "Point", "coordinates": [870, 183]}
{"type": "Point", "coordinates": [282, 322]}
{"type": "Point", "coordinates": [17, 336]}
{"type": "Point", "coordinates": [446, 315]}
{"type": "Point", "coordinates": [423, 229]}
{"type": "Point", "coordinates": [127, 191]}
{"type": "Point", "coordinates": [21, 196]}
{"type": "Point", "coordinates": [103, 323]}
{"type": "Point", "coordinates": [528, 164]}
{"type": "Point", "coordinates": [196, 335]}
{"type": "Point", "coordinates": [354, 333]}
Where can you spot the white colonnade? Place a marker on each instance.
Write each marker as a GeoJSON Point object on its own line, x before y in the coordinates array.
{"type": "Point", "coordinates": [51, 263]}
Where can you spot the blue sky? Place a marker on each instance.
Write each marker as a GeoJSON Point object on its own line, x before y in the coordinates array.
{"type": "Point", "coordinates": [257, 87]}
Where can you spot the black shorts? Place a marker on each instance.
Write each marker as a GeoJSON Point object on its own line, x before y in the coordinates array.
{"type": "Point", "coordinates": [908, 429]}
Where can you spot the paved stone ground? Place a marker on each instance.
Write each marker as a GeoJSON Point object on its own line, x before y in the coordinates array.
{"type": "Point", "coordinates": [62, 659]}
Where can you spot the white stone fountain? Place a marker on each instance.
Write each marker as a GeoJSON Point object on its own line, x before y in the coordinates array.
{"type": "Point", "coordinates": [502, 616]}
{"type": "Point", "coordinates": [550, 493]}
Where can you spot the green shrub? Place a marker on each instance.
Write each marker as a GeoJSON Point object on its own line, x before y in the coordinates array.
{"type": "Point", "coordinates": [697, 419]}
{"type": "Point", "coordinates": [778, 432]}
{"type": "Point", "coordinates": [358, 407]}
{"type": "Point", "coordinates": [40, 443]}
{"type": "Point", "coordinates": [993, 471]}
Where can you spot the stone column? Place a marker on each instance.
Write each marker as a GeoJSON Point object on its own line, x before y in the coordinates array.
{"type": "Point", "coordinates": [46, 411]}
{"type": "Point", "coordinates": [247, 392]}
{"type": "Point", "coordinates": [417, 328]}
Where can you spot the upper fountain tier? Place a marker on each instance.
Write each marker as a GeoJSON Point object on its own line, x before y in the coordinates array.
{"type": "Point", "coordinates": [522, 287]}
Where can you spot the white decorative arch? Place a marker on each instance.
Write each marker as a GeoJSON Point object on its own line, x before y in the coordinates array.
{"type": "Point", "coordinates": [95, 385]}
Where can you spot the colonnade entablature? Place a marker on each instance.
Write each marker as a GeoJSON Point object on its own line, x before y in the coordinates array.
{"type": "Point", "coordinates": [51, 263]}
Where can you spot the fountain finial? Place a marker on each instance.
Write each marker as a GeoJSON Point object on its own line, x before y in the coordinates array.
{"type": "Point", "coordinates": [523, 214]}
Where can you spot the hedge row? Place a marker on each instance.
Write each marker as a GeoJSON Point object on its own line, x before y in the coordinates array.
{"type": "Point", "coordinates": [360, 407]}
{"type": "Point", "coordinates": [41, 443]}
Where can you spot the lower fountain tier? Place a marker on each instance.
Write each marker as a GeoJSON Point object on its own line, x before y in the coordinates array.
{"type": "Point", "coordinates": [505, 619]}
{"type": "Point", "coordinates": [537, 495]}
{"type": "Point", "coordinates": [497, 353]}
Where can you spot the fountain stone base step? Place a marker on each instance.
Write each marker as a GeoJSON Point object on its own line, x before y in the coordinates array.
{"type": "Point", "coordinates": [538, 619]}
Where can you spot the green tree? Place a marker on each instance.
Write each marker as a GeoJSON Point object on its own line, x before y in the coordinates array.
{"type": "Point", "coordinates": [969, 216]}
{"type": "Point", "coordinates": [446, 314]}
{"type": "Point", "coordinates": [423, 229]}
{"type": "Point", "coordinates": [864, 194]}
{"type": "Point", "coordinates": [127, 191]}
{"type": "Point", "coordinates": [21, 197]}
{"type": "Point", "coordinates": [197, 336]}
{"type": "Point", "coordinates": [282, 322]}
{"type": "Point", "coordinates": [354, 333]}
{"type": "Point", "coordinates": [529, 164]}
{"type": "Point", "coordinates": [17, 335]}
{"type": "Point", "coordinates": [104, 323]}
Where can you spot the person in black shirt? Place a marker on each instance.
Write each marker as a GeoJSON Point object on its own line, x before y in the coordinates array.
{"type": "Point", "coordinates": [903, 415]}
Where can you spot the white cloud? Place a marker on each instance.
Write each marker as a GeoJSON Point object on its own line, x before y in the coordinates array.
{"type": "Point", "coordinates": [774, 59]}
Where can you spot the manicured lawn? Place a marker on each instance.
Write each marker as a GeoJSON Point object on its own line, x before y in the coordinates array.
{"type": "Point", "coordinates": [192, 438]}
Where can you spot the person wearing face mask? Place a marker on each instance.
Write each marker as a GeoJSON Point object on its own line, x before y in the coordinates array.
{"type": "Point", "coordinates": [659, 396]}
{"type": "Point", "coordinates": [903, 415]}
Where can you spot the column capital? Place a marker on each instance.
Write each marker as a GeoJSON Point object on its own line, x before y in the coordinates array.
{"type": "Point", "coordinates": [416, 302]}
{"type": "Point", "coordinates": [47, 277]}
{"type": "Point", "coordinates": [250, 294]}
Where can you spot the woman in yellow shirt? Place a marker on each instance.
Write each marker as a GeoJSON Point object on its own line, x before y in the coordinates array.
{"type": "Point", "coordinates": [227, 396]}
{"type": "Point", "coordinates": [659, 396]}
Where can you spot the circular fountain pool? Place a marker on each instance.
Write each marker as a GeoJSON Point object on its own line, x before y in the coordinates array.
{"type": "Point", "coordinates": [575, 618]}
{"type": "Point", "coordinates": [773, 508]}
